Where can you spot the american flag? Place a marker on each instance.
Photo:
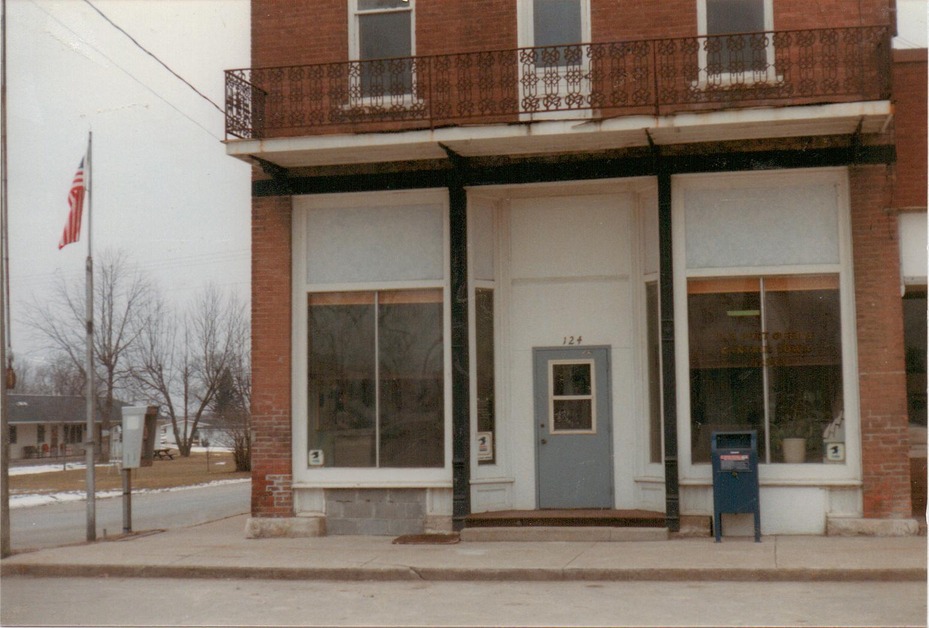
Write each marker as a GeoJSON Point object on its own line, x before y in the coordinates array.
{"type": "Point", "coordinates": [72, 231]}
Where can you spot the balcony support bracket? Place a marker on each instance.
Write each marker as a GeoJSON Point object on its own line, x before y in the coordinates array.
{"type": "Point", "coordinates": [280, 176]}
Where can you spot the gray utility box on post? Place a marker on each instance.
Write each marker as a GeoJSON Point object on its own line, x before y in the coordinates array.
{"type": "Point", "coordinates": [138, 435]}
{"type": "Point", "coordinates": [735, 477]}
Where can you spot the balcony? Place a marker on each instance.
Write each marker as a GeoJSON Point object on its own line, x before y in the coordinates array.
{"type": "Point", "coordinates": [591, 81]}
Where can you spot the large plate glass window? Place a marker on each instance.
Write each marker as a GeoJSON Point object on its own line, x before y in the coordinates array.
{"type": "Point", "coordinates": [764, 261]}
{"type": "Point", "coordinates": [766, 355]}
{"type": "Point", "coordinates": [375, 389]}
{"type": "Point", "coordinates": [375, 360]}
{"type": "Point", "coordinates": [383, 46]}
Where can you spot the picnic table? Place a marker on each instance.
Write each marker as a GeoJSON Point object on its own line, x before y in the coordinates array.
{"type": "Point", "coordinates": [164, 454]}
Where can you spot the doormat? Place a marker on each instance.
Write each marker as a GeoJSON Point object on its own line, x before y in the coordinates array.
{"type": "Point", "coordinates": [427, 539]}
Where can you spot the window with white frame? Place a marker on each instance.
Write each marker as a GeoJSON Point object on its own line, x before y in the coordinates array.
{"type": "Point", "coordinates": [765, 316]}
{"type": "Point", "coordinates": [376, 378]}
{"type": "Point", "coordinates": [382, 42]}
{"type": "Point", "coordinates": [481, 234]}
{"type": "Point", "coordinates": [556, 74]}
{"type": "Point", "coordinates": [555, 24]}
{"type": "Point", "coordinates": [375, 330]}
{"type": "Point", "coordinates": [735, 48]}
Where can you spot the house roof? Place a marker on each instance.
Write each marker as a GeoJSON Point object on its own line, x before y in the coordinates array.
{"type": "Point", "coordinates": [25, 409]}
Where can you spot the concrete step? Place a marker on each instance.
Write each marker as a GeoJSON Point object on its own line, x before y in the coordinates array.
{"type": "Point", "coordinates": [568, 517]}
{"type": "Point", "coordinates": [563, 533]}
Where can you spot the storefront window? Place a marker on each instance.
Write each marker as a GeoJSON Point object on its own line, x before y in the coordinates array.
{"type": "Point", "coordinates": [484, 336]}
{"type": "Point", "coordinates": [654, 372]}
{"type": "Point", "coordinates": [765, 355]}
{"type": "Point", "coordinates": [914, 339]}
{"type": "Point", "coordinates": [376, 392]}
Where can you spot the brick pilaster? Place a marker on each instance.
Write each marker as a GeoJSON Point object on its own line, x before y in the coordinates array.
{"type": "Point", "coordinates": [272, 495]}
{"type": "Point", "coordinates": [882, 375]}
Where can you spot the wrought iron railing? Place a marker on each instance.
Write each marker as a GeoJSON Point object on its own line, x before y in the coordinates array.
{"type": "Point", "coordinates": [657, 76]}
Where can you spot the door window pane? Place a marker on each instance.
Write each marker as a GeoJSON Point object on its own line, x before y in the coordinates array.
{"type": "Point", "coordinates": [571, 379]}
{"type": "Point", "coordinates": [572, 415]}
{"type": "Point", "coordinates": [571, 395]}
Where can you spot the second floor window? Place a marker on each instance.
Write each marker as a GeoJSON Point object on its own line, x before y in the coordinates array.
{"type": "Point", "coordinates": [728, 47]}
{"type": "Point", "coordinates": [382, 42]}
{"type": "Point", "coordinates": [556, 23]}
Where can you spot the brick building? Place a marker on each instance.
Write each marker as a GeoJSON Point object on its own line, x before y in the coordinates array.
{"type": "Point", "coordinates": [530, 255]}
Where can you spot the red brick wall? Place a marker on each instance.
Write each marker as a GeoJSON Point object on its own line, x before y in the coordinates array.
{"type": "Point", "coordinates": [294, 32]}
{"type": "Point", "coordinates": [271, 357]}
{"type": "Point", "coordinates": [882, 378]}
{"type": "Point", "coordinates": [909, 96]}
{"type": "Point", "coordinates": [316, 31]}
{"type": "Point", "coordinates": [444, 27]}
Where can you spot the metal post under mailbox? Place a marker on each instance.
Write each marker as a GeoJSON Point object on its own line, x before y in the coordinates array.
{"type": "Point", "coordinates": [735, 477]}
{"type": "Point", "coordinates": [138, 446]}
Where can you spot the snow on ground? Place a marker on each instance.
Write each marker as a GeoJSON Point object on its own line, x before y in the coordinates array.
{"type": "Point", "coordinates": [26, 500]}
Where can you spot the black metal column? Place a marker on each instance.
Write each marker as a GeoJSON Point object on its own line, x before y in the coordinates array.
{"type": "Point", "coordinates": [668, 378]}
{"type": "Point", "coordinates": [461, 380]}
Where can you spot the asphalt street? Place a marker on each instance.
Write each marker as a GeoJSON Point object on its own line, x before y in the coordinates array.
{"type": "Point", "coordinates": [64, 523]}
{"type": "Point", "coordinates": [172, 602]}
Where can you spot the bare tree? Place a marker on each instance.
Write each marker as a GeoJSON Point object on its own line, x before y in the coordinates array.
{"type": "Point", "coordinates": [56, 376]}
{"type": "Point", "coordinates": [182, 362]}
{"type": "Point", "coordinates": [232, 403]}
{"type": "Point", "coordinates": [122, 296]}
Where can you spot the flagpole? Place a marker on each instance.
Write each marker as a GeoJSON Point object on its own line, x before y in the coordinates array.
{"type": "Point", "coordinates": [89, 441]}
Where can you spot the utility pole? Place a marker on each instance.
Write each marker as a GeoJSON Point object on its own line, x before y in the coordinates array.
{"type": "Point", "coordinates": [5, 545]}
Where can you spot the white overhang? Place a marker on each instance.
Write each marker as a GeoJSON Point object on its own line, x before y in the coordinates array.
{"type": "Point", "coordinates": [568, 136]}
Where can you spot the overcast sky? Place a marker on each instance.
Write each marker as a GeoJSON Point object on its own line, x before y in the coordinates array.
{"type": "Point", "coordinates": [164, 189]}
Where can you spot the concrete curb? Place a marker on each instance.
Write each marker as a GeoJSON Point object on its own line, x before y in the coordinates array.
{"type": "Point", "coordinates": [385, 574]}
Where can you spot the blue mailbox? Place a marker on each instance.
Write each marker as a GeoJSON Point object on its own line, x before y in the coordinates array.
{"type": "Point", "coordinates": [735, 477]}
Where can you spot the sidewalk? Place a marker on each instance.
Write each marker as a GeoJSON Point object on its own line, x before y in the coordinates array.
{"type": "Point", "coordinates": [220, 550]}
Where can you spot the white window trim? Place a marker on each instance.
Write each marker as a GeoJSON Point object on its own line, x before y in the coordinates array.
{"type": "Point", "coordinates": [646, 204]}
{"type": "Point", "coordinates": [305, 476]}
{"type": "Point", "coordinates": [552, 430]}
{"type": "Point", "coordinates": [354, 54]}
{"type": "Point", "coordinates": [727, 80]}
{"type": "Point", "coordinates": [526, 39]}
{"type": "Point", "coordinates": [486, 470]}
{"type": "Point", "coordinates": [775, 473]}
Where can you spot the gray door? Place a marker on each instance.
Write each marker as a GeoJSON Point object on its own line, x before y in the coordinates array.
{"type": "Point", "coordinates": [573, 424]}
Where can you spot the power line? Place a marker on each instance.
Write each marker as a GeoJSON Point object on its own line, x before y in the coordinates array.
{"type": "Point", "coordinates": [124, 70]}
{"type": "Point", "coordinates": [153, 56]}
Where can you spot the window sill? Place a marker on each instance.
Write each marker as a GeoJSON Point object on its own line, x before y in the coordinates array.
{"type": "Point", "coordinates": [727, 81]}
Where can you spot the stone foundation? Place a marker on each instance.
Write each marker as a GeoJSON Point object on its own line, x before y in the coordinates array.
{"type": "Point", "coordinates": [852, 526]}
{"type": "Point", "coordinates": [375, 512]}
{"type": "Point", "coordinates": [284, 527]}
